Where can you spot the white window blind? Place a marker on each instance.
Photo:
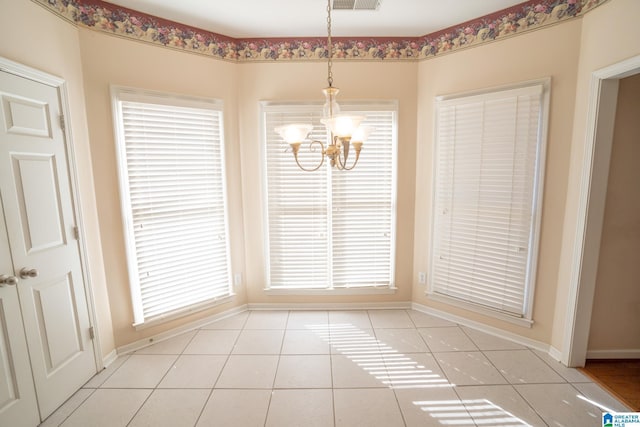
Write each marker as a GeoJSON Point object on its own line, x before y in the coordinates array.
{"type": "Point", "coordinates": [171, 154]}
{"type": "Point", "coordinates": [486, 204]}
{"type": "Point", "coordinates": [330, 229]}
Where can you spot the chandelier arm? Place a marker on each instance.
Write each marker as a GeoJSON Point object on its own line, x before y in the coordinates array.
{"type": "Point", "coordinates": [355, 162]}
{"type": "Point", "coordinates": [343, 165]}
{"type": "Point", "coordinates": [322, 153]}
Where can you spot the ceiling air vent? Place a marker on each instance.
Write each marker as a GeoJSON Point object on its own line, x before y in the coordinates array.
{"type": "Point", "coordinates": [356, 4]}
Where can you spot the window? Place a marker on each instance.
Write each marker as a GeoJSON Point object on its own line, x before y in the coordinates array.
{"type": "Point", "coordinates": [487, 195]}
{"type": "Point", "coordinates": [172, 183]}
{"type": "Point", "coordinates": [330, 229]}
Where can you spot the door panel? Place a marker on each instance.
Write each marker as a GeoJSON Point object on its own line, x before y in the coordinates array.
{"type": "Point", "coordinates": [38, 200]}
{"type": "Point", "coordinates": [26, 116]}
{"type": "Point", "coordinates": [40, 220]}
{"type": "Point", "coordinates": [18, 406]}
{"type": "Point", "coordinates": [8, 387]}
{"type": "Point", "coordinates": [61, 338]}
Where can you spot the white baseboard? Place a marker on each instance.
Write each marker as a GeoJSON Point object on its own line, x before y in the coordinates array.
{"type": "Point", "coordinates": [109, 358]}
{"type": "Point", "coordinates": [614, 354]}
{"type": "Point", "coordinates": [555, 353]}
{"type": "Point", "coordinates": [145, 342]}
{"type": "Point", "coordinates": [402, 305]}
{"type": "Point", "coordinates": [518, 339]}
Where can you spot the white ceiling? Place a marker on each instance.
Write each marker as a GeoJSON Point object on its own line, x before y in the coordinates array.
{"type": "Point", "coordinates": [307, 18]}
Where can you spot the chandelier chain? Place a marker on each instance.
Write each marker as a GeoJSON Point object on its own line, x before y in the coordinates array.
{"type": "Point", "coordinates": [342, 128]}
{"type": "Point", "coordinates": [329, 45]}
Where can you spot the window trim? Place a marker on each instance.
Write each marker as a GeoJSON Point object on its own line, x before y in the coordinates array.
{"type": "Point", "coordinates": [312, 106]}
{"type": "Point", "coordinates": [526, 319]}
{"type": "Point", "coordinates": [123, 93]}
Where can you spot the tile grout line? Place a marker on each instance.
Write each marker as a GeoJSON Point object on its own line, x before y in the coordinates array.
{"type": "Point", "coordinates": [74, 410]}
{"type": "Point", "coordinates": [273, 383]}
{"type": "Point", "coordinates": [132, 388]}
{"type": "Point", "coordinates": [333, 395]}
{"type": "Point", "coordinates": [393, 389]}
{"type": "Point", "coordinates": [140, 407]}
{"type": "Point", "coordinates": [486, 357]}
{"type": "Point", "coordinates": [384, 361]}
{"type": "Point", "coordinates": [213, 387]}
{"type": "Point", "coordinates": [554, 370]}
{"type": "Point", "coordinates": [454, 387]}
{"type": "Point", "coordinates": [573, 385]}
{"type": "Point", "coordinates": [125, 358]}
{"type": "Point", "coordinates": [461, 400]}
{"type": "Point", "coordinates": [420, 335]}
{"type": "Point", "coordinates": [529, 405]}
{"type": "Point", "coordinates": [153, 390]}
{"type": "Point", "coordinates": [509, 382]}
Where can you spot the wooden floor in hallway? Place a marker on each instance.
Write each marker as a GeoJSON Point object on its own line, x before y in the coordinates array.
{"type": "Point", "coordinates": [620, 377]}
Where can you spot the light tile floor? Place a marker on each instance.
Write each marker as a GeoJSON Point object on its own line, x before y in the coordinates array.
{"type": "Point", "coordinates": [337, 368]}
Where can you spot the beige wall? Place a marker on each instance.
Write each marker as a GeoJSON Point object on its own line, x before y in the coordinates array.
{"type": "Point", "coordinates": [615, 322]}
{"type": "Point", "coordinates": [110, 60]}
{"type": "Point", "coordinates": [606, 39]}
{"type": "Point", "coordinates": [304, 81]}
{"type": "Point", "coordinates": [37, 38]}
{"type": "Point", "coordinates": [553, 53]}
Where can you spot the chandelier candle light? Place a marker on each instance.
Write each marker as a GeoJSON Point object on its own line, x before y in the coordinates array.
{"type": "Point", "coordinates": [345, 129]}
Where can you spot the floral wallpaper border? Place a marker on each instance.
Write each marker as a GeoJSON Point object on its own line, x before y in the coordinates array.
{"type": "Point", "coordinates": [107, 17]}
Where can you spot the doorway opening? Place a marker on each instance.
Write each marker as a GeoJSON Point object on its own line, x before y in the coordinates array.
{"type": "Point", "coordinates": [593, 195]}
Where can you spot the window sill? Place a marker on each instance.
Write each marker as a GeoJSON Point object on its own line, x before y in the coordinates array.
{"type": "Point", "coordinates": [337, 291]}
{"type": "Point", "coordinates": [520, 321]}
{"type": "Point", "coordinates": [157, 320]}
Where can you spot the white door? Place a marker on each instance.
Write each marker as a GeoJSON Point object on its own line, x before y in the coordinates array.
{"type": "Point", "coordinates": [41, 226]}
{"type": "Point", "coordinates": [17, 396]}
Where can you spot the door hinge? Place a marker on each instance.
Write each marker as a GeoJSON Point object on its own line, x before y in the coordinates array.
{"type": "Point", "coordinates": [62, 125]}
{"type": "Point", "coordinates": [76, 233]}
{"type": "Point", "coordinates": [92, 334]}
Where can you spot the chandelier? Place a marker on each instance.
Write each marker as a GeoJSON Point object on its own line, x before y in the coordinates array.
{"type": "Point", "coordinates": [345, 129]}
